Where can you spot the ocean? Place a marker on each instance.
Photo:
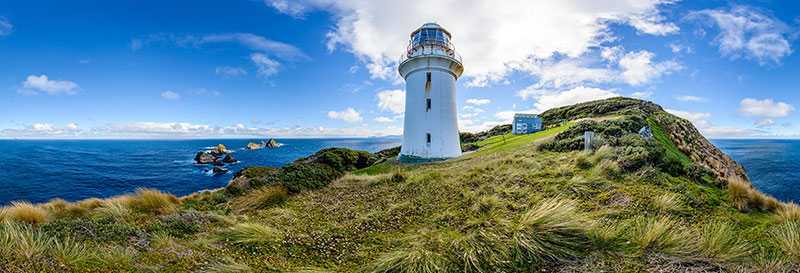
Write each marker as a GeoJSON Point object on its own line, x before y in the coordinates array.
{"type": "Point", "coordinates": [772, 164]}
{"type": "Point", "coordinates": [40, 170]}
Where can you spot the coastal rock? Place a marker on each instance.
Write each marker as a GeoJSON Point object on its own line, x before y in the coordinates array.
{"type": "Point", "coordinates": [204, 158]}
{"type": "Point", "coordinates": [219, 170]}
{"type": "Point", "coordinates": [263, 144]}
{"type": "Point", "coordinates": [229, 159]}
{"type": "Point", "coordinates": [253, 146]}
{"type": "Point", "coordinates": [220, 150]}
{"type": "Point", "coordinates": [218, 164]}
{"type": "Point", "coordinates": [272, 144]}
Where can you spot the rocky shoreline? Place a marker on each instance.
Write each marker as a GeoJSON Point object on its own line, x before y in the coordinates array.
{"type": "Point", "coordinates": [220, 152]}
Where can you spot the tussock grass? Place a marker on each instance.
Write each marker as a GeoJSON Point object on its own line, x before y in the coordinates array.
{"type": "Point", "coordinates": [261, 198]}
{"type": "Point", "coordinates": [250, 233]}
{"type": "Point", "coordinates": [59, 208]}
{"type": "Point", "coordinates": [605, 237]}
{"type": "Point", "coordinates": [227, 267]}
{"type": "Point", "coordinates": [68, 251]}
{"type": "Point", "coordinates": [788, 212]}
{"type": "Point", "coordinates": [115, 210]}
{"type": "Point", "coordinates": [605, 152]}
{"type": "Point", "coordinates": [578, 185]}
{"type": "Point", "coordinates": [117, 255]}
{"type": "Point", "coordinates": [767, 262]}
{"type": "Point", "coordinates": [424, 254]}
{"type": "Point", "coordinates": [660, 235]}
{"type": "Point", "coordinates": [479, 250]}
{"type": "Point", "coordinates": [719, 243]}
{"type": "Point", "coordinates": [787, 237]}
{"type": "Point", "coordinates": [608, 169]}
{"type": "Point", "coordinates": [584, 160]}
{"type": "Point", "coordinates": [740, 191]}
{"type": "Point", "coordinates": [552, 230]}
{"type": "Point", "coordinates": [154, 201]}
{"type": "Point", "coordinates": [27, 242]}
{"type": "Point", "coordinates": [162, 239]}
{"type": "Point", "coordinates": [667, 203]}
{"type": "Point", "coordinates": [91, 203]}
{"type": "Point", "coordinates": [26, 212]}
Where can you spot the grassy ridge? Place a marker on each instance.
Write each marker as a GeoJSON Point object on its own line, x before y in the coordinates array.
{"type": "Point", "coordinates": [510, 207]}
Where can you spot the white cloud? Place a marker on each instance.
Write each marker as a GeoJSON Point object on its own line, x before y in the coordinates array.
{"type": "Point", "coordinates": [349, 115]}
{"type": "Point", "coordinates": [170, 95]}
{"type": "Point", "coordinates": [467, 125]}
{"type": "Point", "coordinates": [638, 68]}
{"type": "Point", "coordinates": [642, 94]}
{"type": "Point", "coordinates": [266, 66]}
{"type": "Point", "coordinates": [5, 27]}
{"type": "Point", "coordinates": [138, 130]}
{"type": "Point", "coordinates": [254, 42]}
{"type": "Point", "coordinates": [34, 84]}
{"type": "Point", "coordinates": [384, 119]}
{"type": "Point", "coordinates": [764, 108]}
{"type": "Point", "coordinates": [749, 32]}
{"type": "Point", "coordinates": [230, 71]}
{"type": "Point", "coordinates": [547, 99]}
{"type": "Point", "coordinates": [766, 122]}
{"type": "Point", "coordinates": [700, 121]}
{"type": "Point", "coordinates": [493, 39]}
{"type": "Point", "coordinates": [84, 61]}
{"type": "Point", "coordinates": [392, 100]}
{"type": "Point", "coordinates": [478, 101]}
{"type": "Point", "coordinates": [691, 98]}
{"type": "Point", "coordinates": [678, 48]}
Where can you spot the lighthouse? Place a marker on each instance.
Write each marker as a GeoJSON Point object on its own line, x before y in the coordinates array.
{"type": "Point", "coordinates": [430, 67]}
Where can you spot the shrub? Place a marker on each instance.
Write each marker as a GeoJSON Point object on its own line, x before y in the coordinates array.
{"type": "Point", "coordinates": [553, 230]}
{"type": "Point", "coordinates": [740, 191]}
{"type": "Point", "coordinates": [787, 237]}
{"type": "Point", "coordinates": [719, 243]}
{"type": "Point", "coordinates": [672, 165]}
{"type": "Point", "coordinates": [154, 201]}
{"type": "Point", "coordinates": [181, 224]}
{"type": "Point", "coordinates": [261, 198]}
{"type": "Point", "coordinates": [26, 212]}
{"type": "Point", "coordinates": [695, 172]}
{"type": "Point", "coordinates": [661, 235]}
{"type": "Point", "coordinates": [250, 233]}
{"type": "Point", "coordinates": [298, 176]}
{"type": "Point", "coordinates": [104, 229]}
{"type": "Point", "coordinates": [68, 251]}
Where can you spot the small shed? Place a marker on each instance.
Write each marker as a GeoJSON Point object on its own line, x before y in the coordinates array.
{"type": "Point", "coordinates": [526, 124]}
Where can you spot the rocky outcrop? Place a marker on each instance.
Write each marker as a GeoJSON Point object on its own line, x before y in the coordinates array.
{"type": "Point", "coordinates": [263, 144]}
{"type": "Point", "coordinates": [695, 146]}
{"type": "Point", "coordinates": [229, 159]}
{"type": "Point", "coordinates": [218, 164]}
{"type": "Point", "coordinates": [205, 158]}
{"type": "Point", "coordinates": [220, 149]}
{"type": "Point", "coordinates": [219, 170]}
{"type": "Point", "coordinates": [252, 146]}
{"type": "Point", "coordinates": [271, 144]}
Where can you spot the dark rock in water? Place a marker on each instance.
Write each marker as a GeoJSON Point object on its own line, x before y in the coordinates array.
{"type": "Point", "coordinates": [263, 144]}
{"type": "Point", "coordinates": [218, 164]}
{"type": "Point", "coordinates": [204, 158]}
{"type": "Point", "coordinates": [272, 143]}
{"type": "Point", "coordinates": [229, 159]}
{"type": "Point", "coordinates": [218, 170]}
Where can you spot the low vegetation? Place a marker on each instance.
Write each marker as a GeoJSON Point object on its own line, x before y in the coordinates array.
{"type": "Point", "coordinates": [522, 203]}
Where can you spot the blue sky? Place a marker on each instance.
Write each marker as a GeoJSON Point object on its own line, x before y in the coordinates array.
{"type": "Point", "coordinates": [324, 68]}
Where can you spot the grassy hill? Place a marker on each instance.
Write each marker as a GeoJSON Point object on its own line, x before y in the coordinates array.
{"type": "Point", "coordinates": [519, 204]}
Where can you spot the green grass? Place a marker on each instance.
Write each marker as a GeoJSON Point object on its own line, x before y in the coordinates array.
{"type": "Point", "coordinates": [661, 137]}
{"type": "Point", "coordinates": [515, 142]}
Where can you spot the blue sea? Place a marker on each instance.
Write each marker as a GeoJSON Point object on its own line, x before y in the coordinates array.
{"type": "Point", "coordinates": [40, 170]}
{"type": "Point", "coordinates": [771, 164]}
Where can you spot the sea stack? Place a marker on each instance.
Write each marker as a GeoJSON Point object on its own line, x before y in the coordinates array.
{"type": "Point", "coordinates": [229, 159]}
{"type": "Point", "coordinates": [252, 146]}
{"type": "Point", "coordinates": [272, 143]}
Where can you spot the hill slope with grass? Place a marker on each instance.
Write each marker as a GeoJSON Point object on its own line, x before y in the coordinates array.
{"type": "Point", "coordinates": [520, 203]}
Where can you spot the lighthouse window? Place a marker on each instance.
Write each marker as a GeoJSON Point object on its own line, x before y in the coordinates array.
{"type": "Point", "coordinates": [429, 138]}
{"type": "Point", "coordinates": [429, 105]}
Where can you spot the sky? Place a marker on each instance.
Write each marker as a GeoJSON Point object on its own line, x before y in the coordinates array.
{"type": "Point", "coordinates": [328, 68]}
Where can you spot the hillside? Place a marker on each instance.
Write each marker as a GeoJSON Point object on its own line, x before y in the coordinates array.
{"type": "Point", "coordinates": [520, 203]}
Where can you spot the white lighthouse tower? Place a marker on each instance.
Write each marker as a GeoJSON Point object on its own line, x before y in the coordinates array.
{"type": "Point", "coordinates": [430, 67]}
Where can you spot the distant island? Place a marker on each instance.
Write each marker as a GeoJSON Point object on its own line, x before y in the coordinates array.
{"type": "Point", "coordinates": [665, 200]}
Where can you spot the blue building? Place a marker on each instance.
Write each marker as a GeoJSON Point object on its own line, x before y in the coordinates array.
{"type": "Point", "coordinates": [526, 124]}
